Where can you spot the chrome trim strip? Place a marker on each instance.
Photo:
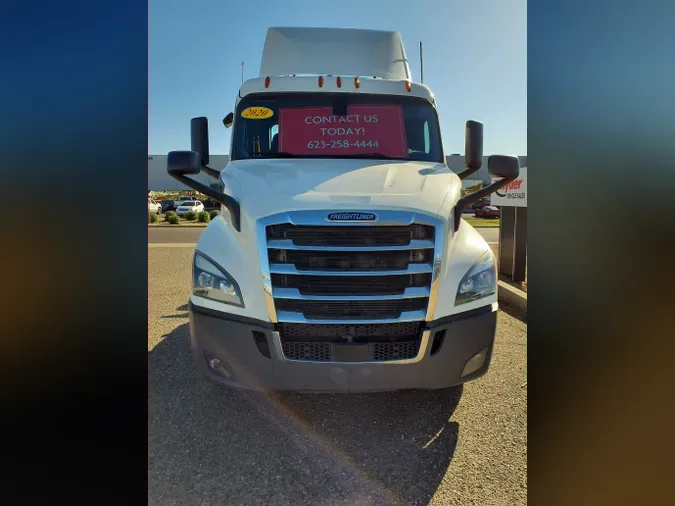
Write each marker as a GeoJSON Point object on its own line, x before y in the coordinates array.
{"type": "Point", "coordinates": [288, 244]}
{"type": "Point", "coordinates": [290, 269]}
{"type": "Point", "coordinates": [261, 236]}
{"type": "Point", "coordinates": [408, 316]}
{"type": "Point", "coordinates": [440, 244]}
{"type": "Point", "coordinates": [294, 293]}
{"type": "Point", "coordinates": [424, 345]}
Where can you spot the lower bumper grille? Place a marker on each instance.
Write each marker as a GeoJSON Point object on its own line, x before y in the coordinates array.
{"type": "Point", "coordinates": [331, 352]}
{"type": "Point", "coordinates": [314, 352]}
{"type": "Point", "coordinates": [343, 333]}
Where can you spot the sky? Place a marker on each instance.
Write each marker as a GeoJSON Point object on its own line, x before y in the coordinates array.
{"type": "Point", "coordinates": [475, 61]}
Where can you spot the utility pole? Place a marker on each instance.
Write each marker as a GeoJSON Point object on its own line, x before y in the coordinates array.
{"type": "Point", "coordinates": [421, 65]}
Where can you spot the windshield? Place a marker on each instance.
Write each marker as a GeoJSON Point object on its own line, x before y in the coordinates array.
{"type": "Point", "coordinates": [188, 204]}
{"type": "Point", "coordinates": [336, 125]}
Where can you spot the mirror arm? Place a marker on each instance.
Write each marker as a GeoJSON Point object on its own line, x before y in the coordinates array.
{"type": "Point", "coordinates": [231, 204]}
{"type": "Point", "coordinates": [467, 172]}
{"type": "Point", "coordinates": [214, 173]}
{"type": "Point", "coordinates": [477, 195]}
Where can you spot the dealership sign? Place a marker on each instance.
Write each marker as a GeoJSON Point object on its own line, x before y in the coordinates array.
{"type": "Point", "coordinates": [512, 194]}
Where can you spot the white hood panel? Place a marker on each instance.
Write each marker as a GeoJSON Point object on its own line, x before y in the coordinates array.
{"type": "Point", "coordinates": [270, 186]}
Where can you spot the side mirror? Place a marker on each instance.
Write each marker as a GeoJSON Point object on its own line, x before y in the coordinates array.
{"type": "Point", "coordinates": [504, 166]}
{"type": "Point", "coordinates": [473, 148]}
{"type": "Point", "coordinates": [183, 162]}
{"type": "Point", "coordinates": [180, 164]}
{"type": "Point", "coordinates": [199, 137]}
{"type": "Point", "coordinates": [473, 145]}
{"type": "Point", "coordinates": [228, 120]}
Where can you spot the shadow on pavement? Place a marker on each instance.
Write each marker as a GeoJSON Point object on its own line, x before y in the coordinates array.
{"type": "Point", "coordinates": [210, 444]}
{"type": "Point", "coordinates": [513, 311]}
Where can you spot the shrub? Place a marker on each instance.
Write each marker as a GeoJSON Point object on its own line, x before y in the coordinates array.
{"type": "Point", "coordinates": [203, 217]}
{"type": "Point", "coordinates": [170, 213]}
{"type": "Point", "coordinates": [153, 218]}
{"type": "Point", "coordinates": [173, 219]}
{"type": "Point", "coordinates": [213, 214]}
{"type": "Point", "coordinates": [190, 215]}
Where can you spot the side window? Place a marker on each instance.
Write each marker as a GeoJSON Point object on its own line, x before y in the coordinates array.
{"type": "Point", "coordinates": [274, 143]}
{"type": "Point", "coordinates": [427, 147]}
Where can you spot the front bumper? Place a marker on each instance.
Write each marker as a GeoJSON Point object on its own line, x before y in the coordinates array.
{"type": "Point", "coordinates": [236, 341]}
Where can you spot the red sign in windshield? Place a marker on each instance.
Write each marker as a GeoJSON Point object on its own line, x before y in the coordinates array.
{"type": "Point", "coordinates": [364, 129]}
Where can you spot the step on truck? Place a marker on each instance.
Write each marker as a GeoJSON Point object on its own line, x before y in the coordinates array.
{"type": "Point", "coordinates": [340, 260]}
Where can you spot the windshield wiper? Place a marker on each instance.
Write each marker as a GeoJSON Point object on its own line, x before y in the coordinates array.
{"type": "Point", "coordinates": [369, 155]}
{"type": "Point", "coordinates": [286, 154]}
{"type": "Point", "coordinates": [280, 154]}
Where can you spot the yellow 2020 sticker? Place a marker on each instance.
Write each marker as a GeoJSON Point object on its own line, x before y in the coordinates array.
{"type": "Point", "coordinates": [257, 113]}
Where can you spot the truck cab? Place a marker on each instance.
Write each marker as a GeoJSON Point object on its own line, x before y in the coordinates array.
{"type": "Point", "coordinates": [340, 261]}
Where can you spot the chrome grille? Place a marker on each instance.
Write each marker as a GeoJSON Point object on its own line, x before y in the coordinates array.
{"type": "Point", "coordinates": [331, 285]}
{"type": "Point", "coordinates": [350, 235]}
{"type": "Point", "coordinates": [343, 292]}
{"type": "Point", "coordinates": [351, 309]}
{"type": "Point", "coordinates": [345, 260]}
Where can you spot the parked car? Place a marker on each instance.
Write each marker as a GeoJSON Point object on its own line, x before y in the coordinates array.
{"type": "Point", "coordinates": [211, 204]}
{"type": "Point", "coordinates": [154, 206]}
{"type": "Point", "coordinates": [185, 198]}
{"type": "Point", "coordinates": [479, 204]}
{"type": "Point", "coordinates": [189, 205]}
{"type": "Point", "coordinates": [487, 212]}
{"type": "Point", "coordinates": [168, 205]}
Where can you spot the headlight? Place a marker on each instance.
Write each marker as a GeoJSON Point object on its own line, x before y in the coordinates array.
{"type": "Point", "coordinates": [479, 281]}
{"type": "Point", "coordinates": [211, 281]}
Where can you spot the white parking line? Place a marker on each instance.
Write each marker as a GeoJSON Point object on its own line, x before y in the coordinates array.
{"type": "Point", "coordinates": [172, 244]}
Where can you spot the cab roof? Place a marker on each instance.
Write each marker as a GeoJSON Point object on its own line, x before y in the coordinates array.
{"type": "Point", "coordinates": [334, 51]}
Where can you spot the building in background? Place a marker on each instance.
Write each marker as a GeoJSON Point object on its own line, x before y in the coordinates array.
{"type": "Point", "coordinates": [158, 179]}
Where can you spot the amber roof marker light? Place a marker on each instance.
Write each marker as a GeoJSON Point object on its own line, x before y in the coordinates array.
{"type": "Point", "coordinates": [339, 82]}
{"type": "Point", "coordinates": [357, 83]}
{"type": "Point", "coordinates": [320, 81]}
{"type": "Point", "coordinates": [408, 85]}
{"type": "Point", "coordinates": [267, 82]}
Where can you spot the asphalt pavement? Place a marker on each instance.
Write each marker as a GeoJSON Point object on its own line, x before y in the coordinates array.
{"type": "Point", "coordinates": [175, 234]}
{"type": "Point", "coordinates": [212, 445]}
{"type": "Point", "coordinates": [190, 234]}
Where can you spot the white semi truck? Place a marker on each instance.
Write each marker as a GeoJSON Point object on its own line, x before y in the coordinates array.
{"type": "Point", "coordinates": [340, 261]}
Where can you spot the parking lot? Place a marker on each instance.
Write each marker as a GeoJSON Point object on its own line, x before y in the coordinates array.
{"type": "Point", "coordinates": [210, 445]}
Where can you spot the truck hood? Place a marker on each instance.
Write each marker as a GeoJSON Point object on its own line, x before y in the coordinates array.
{"type": "Point", "coordinates": [270, 186]}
